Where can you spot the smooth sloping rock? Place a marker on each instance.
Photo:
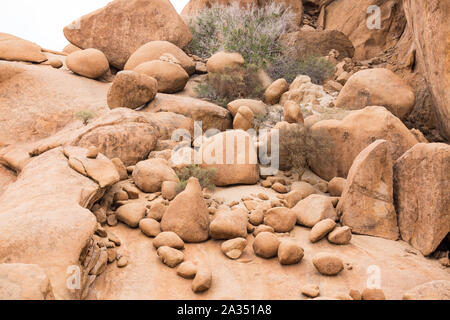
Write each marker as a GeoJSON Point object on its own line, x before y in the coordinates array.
{"type": "Point", "coordinates": [229, 225]}
{"type": "Point", "coordinates": [280, 219]}
{"type": "Point", "coordinates": [101, 169]}
{"type": "Point", "coordinates": [318, 43]}
{"type": "Point", "coordinates": [46, 205]}
{"type": "Point", "coordinates": [212, 116]}
{"type": "Point", "coordinates": [13, 48]}
{"type": "Point", "coordinates": [428, 22]}
{"type": "Point", "coordinates": [433, 290]}
{"type": "Point", "coordinates": [377, 87]}
{"type": "Point", "coordinates": [90, 63]}
{"type": "Point", "coordinates": [150, 174]}
{"type": "Point", "coordinates": [135, 22]}
{"type": "Point", "coordinates": [336, 143]}
{"type": "Point", "coordinates": [234, 156]}
{"type": "Point", "coordinates": [366, 204]}
{"type": "Point", "coordinates": [171, 77]}
{"type": "Point", "coordinates": [131, 90]}
{"type": "Point", "coordinates": [132, 213]}
{"type": "Point", "coordinates": [24, 282]}
{"type": "Point", "coordinates": [187, 215]}
{"type": "Point", "coordinates": [314, 209]}
{"type": "Point", "coordinates": [154, 50]}
{"type": "Point", "coordinates": [422, 183]}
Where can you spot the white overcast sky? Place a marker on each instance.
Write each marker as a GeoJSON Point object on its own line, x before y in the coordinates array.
{"type": "Point", "coordinates": [43, 21]}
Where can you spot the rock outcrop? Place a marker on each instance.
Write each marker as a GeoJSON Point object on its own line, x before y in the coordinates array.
{"type": "Point", "coordinates": [422, 184]}
{"type": "Point", "coordinates": [13, 48]}
{"type": "Point", "coordinates": [134, 23]}
{"type": "Point", "coordinates": [366, 204]}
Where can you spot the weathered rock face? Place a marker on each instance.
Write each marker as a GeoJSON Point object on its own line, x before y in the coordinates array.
{"type": "Point", "coordinates": [334, 144]}
{"type": "Point", "coordinates": [13, 48]}
{"type": "Point", "coordinates": [171, 77]}
{"type": "Point", "coordinates": [305, 44]}
{"type": "Point", "coordinates": [46, 206]}
{"type": "Point", "coordinates": [37, 102]}
{"type": "Point", "coordinates": [434, 290]}
{"type": "Point", "coordinates": [90, 63]}
{"type": "Point", "coordinates": [377, 87]}
{"type": "Point", "coordinates": [234, 156]}
{"type": "Point", "coordinates": [428, 20]}
{"type": "Point", "coordinates": [212, 116]}
{"type": "Point", "coordinates": [131, 90]}
{"type": "Point", "coordinates": [422, 183]}
{"type": "Point", "coordinates": [366, 204]}
{"type": "Point", "coordinates": [352, 18]}
{"type": "Point", "coordinates": [123, 26]}
{"type": "Point", "coordinates": [24, 282]}
{"type": "Point", "coordinates": [194, 6]}
{"type": "Point", "coordinates": [187, 215]}
{"type": "Point", "coordinates": [154, 50]}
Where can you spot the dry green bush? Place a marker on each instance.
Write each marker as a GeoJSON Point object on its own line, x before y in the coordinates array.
{"type": "Point", "coordinates": [205, 176]}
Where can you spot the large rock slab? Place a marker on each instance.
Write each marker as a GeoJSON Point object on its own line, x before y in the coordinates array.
{"type": "Point", "coordinates": [305, 44]}
{"type": "Point", "coordinates": [211, 115]}
{"type": "Point", "coordinates": [43, 219]}
{"type": "Point", "coordinates": [334, 144]}
{"type": "Point", "coordinates": [433, 290]}
{"type": "Point", "coordinates": [422, 184]}
{"type": "Point", "coordinates": [13, 48]}
{"type": "Point", "coordinates": [38, 101]}
{"type": "Point", "coordinates": [366, 204]}
{"type": "Point", "coordinates": [428, 20]}
{"type": "Point", "coordinates": [123, 26]}
{"type": "Point", "coordinates": [377, 87]}
{"type": "Point", "coordinates": [352, 18]}
{"type": "Point", "coordinates": [24, 282]}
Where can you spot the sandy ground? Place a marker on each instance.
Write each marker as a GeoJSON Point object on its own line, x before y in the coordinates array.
{"type": "Point", "coordinates": [401, 268]}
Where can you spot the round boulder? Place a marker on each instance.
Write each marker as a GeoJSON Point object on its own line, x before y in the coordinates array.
{"type": "Point", "coordinates": [290, 253]}
{"type": "Point", "coordinates": [328, 264]}
{"type": "Point", "coordinates": [89, 63]}
{"type": "Point", "coordinates": [131, 90]}
{"type": "Point", "coordinates": [150, 174]}
{"type": "Point", "coordinates": [171, 77]}
{"type": "Point", "coordinates": [280, 219]}
{"type": "Point", "coordinates": [266, 245]}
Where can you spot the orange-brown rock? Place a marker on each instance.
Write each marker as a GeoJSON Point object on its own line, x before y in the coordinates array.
{"type": "Point", "coordinates": [171, 77]}
{"type": "Point", "coordinates": [154, 50]}
{"type": "Point", "coordinates": [422, 184]}
{"type": "Point", "coordinates": [149, 175]}
{"type": "Point", "coordinates": [187, 215]}
{"type": "Point", "coordinates": [135, 22]}
{"type": "Point", "coordinates": [377, 87]}
{"type": "Point", "coordinates": [13, 48]}
{"type": "Point", "coordinates": [366, 204]}
{"type": "Point", "coordinates": [89, 63]}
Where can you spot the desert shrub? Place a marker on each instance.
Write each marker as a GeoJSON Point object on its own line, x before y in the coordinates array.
{"type": "Point", "coordinates": [224, 88]}
{"type": "Point", "coordinates": [253, 32]}
{"type": "Point", "coordinates": [318, 69]}
{"type": "Point", "coordinates": [205, 176]}
{"type": "Point", "coordinates": [84, 115]}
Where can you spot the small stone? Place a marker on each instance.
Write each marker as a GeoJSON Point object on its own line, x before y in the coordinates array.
{"type": "Point", "coordinates": [234, 248]}
{"type": "Point", "coordinates": [266, 183]}
{"type": "Point", "coordinates": [321, 229]}
{"type": "Point", "coordinates": [355, 294]}
{"type": "Point", "coordinates": [340, 236]}
{"type": "Point", "coordinates": [168, 239]}
{"type": "Point", "coordinates": [250, 228]}
{"type": "Point", "coordinates": [187, 270]}
{"type": "Point", "coordinates": [342, 296]}
{"type": "Point", "coordinates": [328, 264]}
{"type": "Point", "coordinates": [373, 294]}
{"type": "Point", "coordinates": [256, 217]}
{"type": "Point", "coordinates": [111, 220]}
{"type": "Point", "coordinates": [311, 290]}
{"type": "Point", "coordinates": [121, 169]}
{"type": "Point", "coordinates": [101, 231]}
{"type": "Point", "coordinates": [202, 281]}
{"type": "Point", "coordinates": [132, 191]}
{"type": "Point", "coordinates": [150, 227]}
{"type": "Point", "coordinates": [263, 196]}
{"type": "Point", "coordinates": [112, 254]}
{"type": "Point", "coordinates": [290, 253]}
{"type": "Point", "coordinates": [92, 152]}
{"type": "Point", "coordinates": [278, 187]}
{"type": "Point", "coordinates": [170, 257]}
{"type": "Point", "coordinates": [280, 219]}
{"type": "Point", "coordinates": [262, 228]}
{"type": "Point", "coordinates": [132, 213]}
{"type": "Point", "coordinates": [266, 245]}
{"type": "Point", "coordinates": [120, 195]}
{"type": "Point", "coordinates": [157, 211]}
{"type": "Point", "coordinates": [113, 238]}
{"type": "Point", "coordinates": [336, 186]}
